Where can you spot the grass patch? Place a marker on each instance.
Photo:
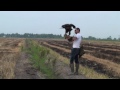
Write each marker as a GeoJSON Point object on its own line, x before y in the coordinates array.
{"type": "Point", "coordinates": [91, 73]}
{"type": "Point", "coordinates": [7, 65]}
{"type": "Point", "coordinates": [38, 56]}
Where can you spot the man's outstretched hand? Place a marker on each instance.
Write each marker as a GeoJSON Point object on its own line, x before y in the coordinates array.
{"type": "Point", "coordinates": [68, 37]}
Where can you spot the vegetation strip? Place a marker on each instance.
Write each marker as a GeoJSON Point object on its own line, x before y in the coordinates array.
{"type": "Point", "coordinates": [38, 57]}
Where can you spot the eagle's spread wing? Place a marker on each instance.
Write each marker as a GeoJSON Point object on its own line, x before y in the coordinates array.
{"type": "Point", "coordinates": [68, 26]}
{"type": "Point", "coordinates": [72, 25]}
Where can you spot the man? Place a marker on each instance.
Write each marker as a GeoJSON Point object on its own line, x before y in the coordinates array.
{"type": "Point", "coordinates": [75, 50]}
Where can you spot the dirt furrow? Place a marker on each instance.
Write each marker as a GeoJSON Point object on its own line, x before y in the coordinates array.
{"type": "Point", "coordinates": [24, 69]}
{"type": "Point", "coordinates": [97, 64]}
{"type": "Point", "coordinates": [97, 53]}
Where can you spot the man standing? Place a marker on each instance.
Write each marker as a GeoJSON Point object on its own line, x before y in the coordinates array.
{"type": "Point", "coordinates": [75, 50]}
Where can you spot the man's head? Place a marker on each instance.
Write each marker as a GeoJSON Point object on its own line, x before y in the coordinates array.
{"type": "Point", "coordinates": [77, 30]}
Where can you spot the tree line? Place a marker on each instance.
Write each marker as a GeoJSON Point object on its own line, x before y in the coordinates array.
{"type": "Point", "coordinates": [31, 35]}
{"type": "Point", "coordinates": [105, 39]}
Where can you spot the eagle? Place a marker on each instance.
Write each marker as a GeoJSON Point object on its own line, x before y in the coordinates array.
{"type": "Point", "coordinates": [68, 28]}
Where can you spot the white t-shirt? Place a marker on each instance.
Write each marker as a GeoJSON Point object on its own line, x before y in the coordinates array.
{"type": "Point", "coordinates": [76, 43]}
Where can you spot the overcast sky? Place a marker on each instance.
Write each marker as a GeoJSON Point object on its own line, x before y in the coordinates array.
{"type": "Point", "coordinates": [99, 24]}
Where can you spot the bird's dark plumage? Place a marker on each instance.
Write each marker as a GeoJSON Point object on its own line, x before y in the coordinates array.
{"type": "Point", "coordinates": [68, 28]}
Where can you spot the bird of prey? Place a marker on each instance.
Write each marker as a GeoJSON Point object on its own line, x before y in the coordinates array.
{"type": "Point", "coordinates": [68, 28]}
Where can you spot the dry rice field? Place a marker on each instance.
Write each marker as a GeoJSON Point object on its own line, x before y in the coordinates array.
{"type": "Point", "coordinates": [102, 57]}
{"type": "Point", "coordinates": [9, 53]}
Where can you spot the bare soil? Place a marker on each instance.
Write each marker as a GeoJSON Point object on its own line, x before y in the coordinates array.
{"type": "Point", "coordinates": [25, 70]}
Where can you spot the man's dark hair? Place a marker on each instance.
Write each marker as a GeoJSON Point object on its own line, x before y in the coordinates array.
{"type": "Point", "coordinates": [78, 29]}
